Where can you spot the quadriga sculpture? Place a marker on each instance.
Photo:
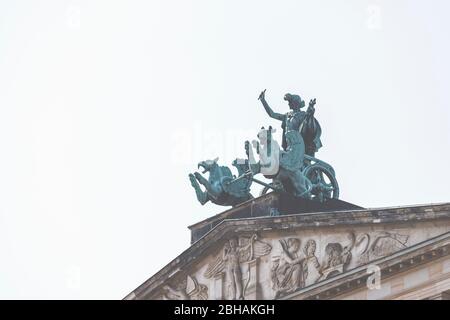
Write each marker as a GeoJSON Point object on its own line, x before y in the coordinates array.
{"type": "Point", "coordinates": [293, 168]}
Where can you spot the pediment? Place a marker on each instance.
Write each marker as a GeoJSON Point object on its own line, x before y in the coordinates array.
{"type": "Point", "coordinates": [273, 257]}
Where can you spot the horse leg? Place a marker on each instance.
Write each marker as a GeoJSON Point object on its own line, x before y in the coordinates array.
{"type": "Point", "coordinates": [298, 181]}
{"type": "Point", "coordinates": [202, 197]}
{"type": "Point", "coordinates": [201, 179]}
{"type": "Point", "coordinates": [212, 191]}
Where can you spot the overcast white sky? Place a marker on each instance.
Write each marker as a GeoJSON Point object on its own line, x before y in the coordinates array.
{"type": "Point", "coordinates": [106, 106]}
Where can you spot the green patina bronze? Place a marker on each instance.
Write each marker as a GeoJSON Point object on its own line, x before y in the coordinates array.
{"type": "Point", "coordinates": [297, 120]}
{"type": "Point", "coordinates": [297, 173]}
{"type": "Point", "coordinates": [293, 168]}
{"type": "Point", "coordinates": [222, 187]}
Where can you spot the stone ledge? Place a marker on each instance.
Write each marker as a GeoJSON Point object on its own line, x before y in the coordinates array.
{"type": "Point", "coordinates": [268, 205]}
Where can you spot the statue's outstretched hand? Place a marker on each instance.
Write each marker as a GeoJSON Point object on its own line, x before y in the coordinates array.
{"type": "Point", "coordinates": [262, 95]}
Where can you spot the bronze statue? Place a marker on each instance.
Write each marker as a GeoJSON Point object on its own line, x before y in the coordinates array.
{"type": "Point", "coordinates": [285, 166]}
{"type": "Point", "coordinates": [297, 120]}
{"type": "Point", "coordinates": [292, 167]}
{"type": "Point", "coordinates": [222, 187]}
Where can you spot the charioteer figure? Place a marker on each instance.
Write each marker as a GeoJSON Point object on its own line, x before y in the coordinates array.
{"type": "Point", "coordinates": [297, 120]}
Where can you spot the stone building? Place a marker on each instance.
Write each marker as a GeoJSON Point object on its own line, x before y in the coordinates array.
{"type": "Point", "coordinates": [273, 247]}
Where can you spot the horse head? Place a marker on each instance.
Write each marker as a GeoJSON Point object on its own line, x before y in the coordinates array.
{"type": "Point", "coordinates": [208, 165]}
{"type": "Point", "coordinates": [241, 165]}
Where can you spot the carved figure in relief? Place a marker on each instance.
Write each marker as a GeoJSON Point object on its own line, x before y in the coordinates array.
{"type": "Point", "coordinates": [287, 271]}
{"type": "Point", "coordinates": [311, 266]}
{"type": "Point", "coordinates": [188, 290]}
{"type": "Point", "coordinates": [234, 253]}
{"type": "Point", "coordinates": [379, 245]}
{"type": "Point", "coordinates": [230, 256]}
{"type": "Point", "coordinates": [337, 257]}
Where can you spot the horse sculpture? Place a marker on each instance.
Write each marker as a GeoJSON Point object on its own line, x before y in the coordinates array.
{"type": "Point", "coordinates": [285, 167]}
{"type": "Point", "coordinates": [222, 187]}
{"type": "Point", "coordinates": [296, 172]}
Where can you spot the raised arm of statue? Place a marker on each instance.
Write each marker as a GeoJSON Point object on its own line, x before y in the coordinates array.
{"type": "Point", "coordinates": [269, 111]}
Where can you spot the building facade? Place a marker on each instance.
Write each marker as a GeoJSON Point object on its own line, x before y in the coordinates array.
{"type": "Point", "coordinates": [275, 248]}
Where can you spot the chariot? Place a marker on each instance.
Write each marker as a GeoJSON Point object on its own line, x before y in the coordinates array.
{"type": "Point", "coordinates": [320, 179]}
